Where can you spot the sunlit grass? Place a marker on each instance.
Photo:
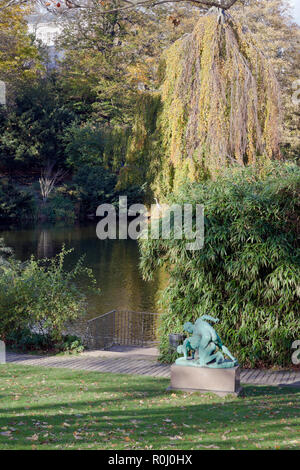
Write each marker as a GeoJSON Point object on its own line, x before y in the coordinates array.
{"type": "Point", "coordinates": [65, 409]}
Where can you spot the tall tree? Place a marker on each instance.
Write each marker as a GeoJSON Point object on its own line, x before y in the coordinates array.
{"type": "Point", "coordinates": [108, 58]}
{"type": "Point", "coordinates": [32, 131]}
{"type": "Point", "coordinates": [19, 57]}
{"type": "Point", "coordinates": [220, 103]}
{"type": "Point", "coordinates": [203, 127]}
{"type": "Point", "coordinates": [278, 36]}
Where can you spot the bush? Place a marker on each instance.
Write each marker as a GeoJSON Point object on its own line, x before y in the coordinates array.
{"type": "Point", "coordinates": [5, 254]}
{"type": "Point", "coordinates": [84, 145]}
{"type": "Point", "coordinates": [25, 340]}
{"type": "Point", "coordinates": [71, 344]}
{"type": "Point", "coordinates": [95, 186]}
{"type": "Point", "coordinates": [59, 208]}
{"type": "Point", "coordinates": [247, 273]}
{"type": "Point", "coordinates": [15, 204]}
{"type": "Point", "coordinates": [40, 296]}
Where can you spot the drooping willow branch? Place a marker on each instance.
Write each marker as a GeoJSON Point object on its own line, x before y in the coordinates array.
{"type": "Point", "coordinates": [220, 100]}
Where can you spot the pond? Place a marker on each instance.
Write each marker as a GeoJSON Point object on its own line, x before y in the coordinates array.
{"type": "Point", "coordinates": [114, 264]}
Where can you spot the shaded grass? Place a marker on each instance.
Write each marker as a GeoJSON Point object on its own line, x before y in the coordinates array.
{"type": "Point", "coordinates": [65, 409]}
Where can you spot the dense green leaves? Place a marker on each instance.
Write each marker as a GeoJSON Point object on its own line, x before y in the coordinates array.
{"type": "Point", "coordinates": [15, 204]}
{"type": "Point", "coordinates": [41, 295]}
{"type": "Point", "coordinates": [248, 272]}
{"type": "Point", "coordinates": [33, 129]}
{"type": "Point", "coordinates": [95, 186]}
{"type": "Point", "coordinates": [19, 57]}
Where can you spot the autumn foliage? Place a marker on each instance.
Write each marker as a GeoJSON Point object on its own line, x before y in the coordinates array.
{"type": "Point", "coordinates": [221, 100]}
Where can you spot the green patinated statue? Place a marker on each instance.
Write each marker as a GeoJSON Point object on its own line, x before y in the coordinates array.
{"type": "Point", "coordinates": [205, 346]}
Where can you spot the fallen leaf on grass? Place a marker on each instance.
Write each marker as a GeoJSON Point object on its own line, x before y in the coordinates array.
{"type": "Point", "coordinates": [35, 437]}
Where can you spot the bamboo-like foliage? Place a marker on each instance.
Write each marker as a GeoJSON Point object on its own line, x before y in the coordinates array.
{"type": "Point", "coordinates": [247, 273]}
{"type": "Point", "coordinates": [140, 164]}
{"type": "Point", "coordinates": [221, 100]}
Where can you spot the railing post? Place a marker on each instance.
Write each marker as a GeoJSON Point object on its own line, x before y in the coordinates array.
{"type": "Point", "coordinates": [113, 329]}
{"type": "Point", "coordinates": [143, 329]}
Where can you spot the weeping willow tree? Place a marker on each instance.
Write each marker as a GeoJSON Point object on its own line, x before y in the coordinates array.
{"type": "Point", "coordinates": [143, 144]}
{"type": "Point", "coordinates": [220, 101]}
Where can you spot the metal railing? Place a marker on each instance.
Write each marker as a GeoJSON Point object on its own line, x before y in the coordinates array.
{"type": "Point", "coordinates": [122, 327]}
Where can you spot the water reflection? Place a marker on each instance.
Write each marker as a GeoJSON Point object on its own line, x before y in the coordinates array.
{"type": "Point", "coordinates": [45, 245]}
{"type": "Point", "coordinates": [114, 263]}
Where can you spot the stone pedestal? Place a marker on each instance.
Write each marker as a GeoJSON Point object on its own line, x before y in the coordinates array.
{"type": "Point", "coordinates": [203, 379]}
{"type": "Point", "coordinates": [2, 353]}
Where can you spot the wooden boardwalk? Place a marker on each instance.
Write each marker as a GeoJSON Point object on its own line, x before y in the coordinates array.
{"type": "Point", "coordinates": [145, 366]}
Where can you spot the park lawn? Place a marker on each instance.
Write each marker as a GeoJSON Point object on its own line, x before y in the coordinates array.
{"type": "Point", "coordinates": [63, 409]}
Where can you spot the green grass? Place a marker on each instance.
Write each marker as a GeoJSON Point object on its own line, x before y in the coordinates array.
{"type": "Point", "coordinates": [65, 409]}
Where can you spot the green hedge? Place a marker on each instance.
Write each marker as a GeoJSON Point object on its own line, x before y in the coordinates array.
{"type": "Point", "coordinates": [247, 273]}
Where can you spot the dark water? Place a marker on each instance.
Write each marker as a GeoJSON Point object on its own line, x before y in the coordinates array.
{"type": "Point", "coordinates": [114, 264]}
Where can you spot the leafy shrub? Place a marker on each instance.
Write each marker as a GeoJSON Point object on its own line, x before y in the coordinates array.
{"type": "Point", "coordinates": [247, 273]}
{"type": "Point", "coordinates": [5, 254]}
{"type": "Point", "coordinates": [95, 186]}
{"type": "Point", "coordinates": [15, 204]}
{"type": "Point", "coordinates": [71, 344]}
{"type": "Point", "coordinates": [26, 340]}
{"type": "Point", "coordinates": [91, 144]}
{"type": "Point", "coordinates": [59, 208]}
{"type": "Point", "coordinates": [135, 194]}
{"type": "Point", "coordinates": [84, 145]}
{"type": "Point", "coordinates": [40, 295]}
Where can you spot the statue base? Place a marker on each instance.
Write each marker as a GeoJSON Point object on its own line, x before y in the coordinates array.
{"type": "Point", "coordinates": [222, 382]}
